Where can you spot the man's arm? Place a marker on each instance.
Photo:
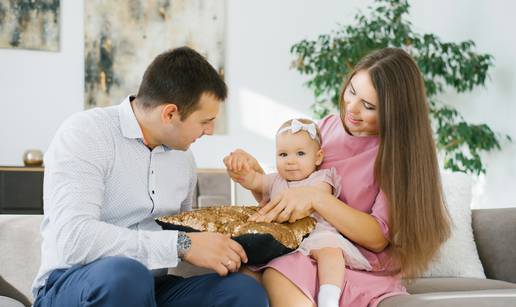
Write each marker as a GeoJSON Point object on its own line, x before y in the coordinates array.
{"type": "Point", "coordinates": [76, 165]}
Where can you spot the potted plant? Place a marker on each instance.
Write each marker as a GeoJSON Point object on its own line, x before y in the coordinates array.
{"type": "Point", "coordinates": [328, 59]}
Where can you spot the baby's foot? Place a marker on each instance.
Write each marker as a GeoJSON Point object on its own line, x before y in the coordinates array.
{"type": "Point", "coordinates": [329, 296]}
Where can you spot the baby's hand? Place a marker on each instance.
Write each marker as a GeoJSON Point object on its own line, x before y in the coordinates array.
{"type": "Point", "coordinates": [239, 166]}
{"type": "Point", "coordinates": [246, 179]}
{"type": "Point", "coordinates": [238, 161]}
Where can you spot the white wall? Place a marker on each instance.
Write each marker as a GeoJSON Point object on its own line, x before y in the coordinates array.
{"type": "Point", "coordinates": [40, 89]}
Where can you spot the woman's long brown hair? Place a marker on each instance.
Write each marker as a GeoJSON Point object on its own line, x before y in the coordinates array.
{"type": "Point", "coordinates": [406, 167]}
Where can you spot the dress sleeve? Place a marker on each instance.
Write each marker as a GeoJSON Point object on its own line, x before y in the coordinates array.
{"type": "Point", "coordinates": [268, 181]}
{"type": "Point", "coordinates": [380, 211]}
{"type": "Point", "coordinates": [331, 177]}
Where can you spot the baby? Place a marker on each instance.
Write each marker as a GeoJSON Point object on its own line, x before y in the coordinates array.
{"type": "Point", "coordinates": [298, 157]}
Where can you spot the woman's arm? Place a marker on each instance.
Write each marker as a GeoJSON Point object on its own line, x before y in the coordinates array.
{"type": "Point", "coordinates": [295, 203]}
{"type": "Point", "coordinates": [358, 226]}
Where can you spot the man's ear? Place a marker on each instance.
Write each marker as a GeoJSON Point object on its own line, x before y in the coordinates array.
{"type": "Point", "coordinates": [169, 111]}
{"type": "Point", "coordinates": [319, 157]}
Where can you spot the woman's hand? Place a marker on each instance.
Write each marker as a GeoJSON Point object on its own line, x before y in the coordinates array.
{"type": "Point", "coordinates": [290, 205]}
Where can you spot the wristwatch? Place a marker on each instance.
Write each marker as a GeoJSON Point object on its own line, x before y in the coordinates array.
{"type": "Point", "coordinates": [183, 244]}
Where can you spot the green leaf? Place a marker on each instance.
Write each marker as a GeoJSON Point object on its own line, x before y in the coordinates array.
{"type": "Point", "coordinates": [328, 59]}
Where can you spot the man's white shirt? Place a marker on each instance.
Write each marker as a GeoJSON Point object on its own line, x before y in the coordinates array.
{"type": "Point", "coordinates": [103, 188]}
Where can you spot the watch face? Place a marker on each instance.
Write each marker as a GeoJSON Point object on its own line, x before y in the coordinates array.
{"type": "Point", "coordinates": [183, 244]}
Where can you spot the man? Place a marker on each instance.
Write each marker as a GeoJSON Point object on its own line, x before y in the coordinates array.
{"type": "Point", "coordinates": [109, 172]}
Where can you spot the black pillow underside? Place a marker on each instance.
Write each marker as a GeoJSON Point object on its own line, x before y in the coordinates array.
{"type": "Point", "coordinates": [259, 247]}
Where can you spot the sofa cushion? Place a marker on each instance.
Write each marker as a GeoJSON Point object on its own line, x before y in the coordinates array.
{"type": "Point", "coordinates": [457, 257]}
{"type": "Point", "coordinates": [495, 234]}
{"type": "Point", "coordinates": [438, 284]}
{"type": "Point", "coordinates": [482, 298]}
{"type": "Point", "coordinates": [20, 243]}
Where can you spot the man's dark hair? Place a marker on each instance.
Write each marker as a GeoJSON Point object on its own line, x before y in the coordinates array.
{"type": "Point", "coordinates": [180, 76]}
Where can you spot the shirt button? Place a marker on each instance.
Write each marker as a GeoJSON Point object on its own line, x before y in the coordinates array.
{"type": "Point", "coordinates": [152, 191]}
{"type": "Point", "coordinates": [152, 172]}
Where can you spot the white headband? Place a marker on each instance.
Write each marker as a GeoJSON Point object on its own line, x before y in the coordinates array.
{"type": "Point", "coordinates": [296, 126]}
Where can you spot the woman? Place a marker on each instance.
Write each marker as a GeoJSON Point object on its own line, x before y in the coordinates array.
{"type": "Point", "coordinates": [391, 205]}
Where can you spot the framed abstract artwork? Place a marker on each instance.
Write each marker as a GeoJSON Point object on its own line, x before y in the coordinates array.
{"type": "Point", "coordinates": [30, 24]}
{"type": "Point", "coordinates": [122, 38]}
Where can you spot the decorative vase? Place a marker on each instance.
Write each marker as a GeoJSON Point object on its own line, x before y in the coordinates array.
{"type": "Point", "coordinates": [33, 157]}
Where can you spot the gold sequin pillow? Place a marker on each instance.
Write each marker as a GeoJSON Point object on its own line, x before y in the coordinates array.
{"type": "Point", "coordinates": [261, 241]}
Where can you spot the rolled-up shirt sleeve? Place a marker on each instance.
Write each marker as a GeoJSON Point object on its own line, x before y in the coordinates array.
{"type": "Point", "coordinates": [76, 165]}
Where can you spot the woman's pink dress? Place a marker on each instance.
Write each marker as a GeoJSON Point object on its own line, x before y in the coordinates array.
{"type": "Point", "coordinates": [353, 158]}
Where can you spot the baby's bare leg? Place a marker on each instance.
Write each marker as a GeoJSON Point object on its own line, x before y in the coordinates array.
{"type": "Point", "coordinates": [330, 269]}
{"type": "Point", "coordinates": [330, 265]}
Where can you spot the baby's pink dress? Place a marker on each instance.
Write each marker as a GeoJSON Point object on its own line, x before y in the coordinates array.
{"type": "Point", "coordinates": [353, 158]}
{"type": "Point", "coordinates": [324, 234]}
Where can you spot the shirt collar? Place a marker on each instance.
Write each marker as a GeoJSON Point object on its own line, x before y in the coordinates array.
{"type": "Point", "coordinates": [128, 123]}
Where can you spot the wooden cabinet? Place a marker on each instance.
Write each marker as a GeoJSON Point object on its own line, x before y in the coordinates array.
{"type": "Point", "coordinates": [21, 190]}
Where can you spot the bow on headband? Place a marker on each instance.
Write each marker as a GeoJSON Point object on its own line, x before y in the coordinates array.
{"type": "Point", "coordinates": [296, 126]}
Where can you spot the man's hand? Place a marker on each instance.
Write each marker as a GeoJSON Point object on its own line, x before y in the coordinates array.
{"type": "Point", "coordinates": [215, 251]}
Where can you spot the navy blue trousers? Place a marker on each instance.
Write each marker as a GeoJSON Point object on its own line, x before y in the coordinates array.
{"type": "Point", "coordinates": [123, 282]}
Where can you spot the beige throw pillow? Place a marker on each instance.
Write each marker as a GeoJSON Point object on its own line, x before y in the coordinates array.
{"type": "Point", "coordinates": [457, 257]}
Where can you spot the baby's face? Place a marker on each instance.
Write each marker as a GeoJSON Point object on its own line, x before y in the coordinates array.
{"type": "Point", "coordinates": [297, 155]}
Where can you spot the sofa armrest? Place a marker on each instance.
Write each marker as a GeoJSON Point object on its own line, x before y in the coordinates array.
{"type": "Point", "coordinates": [495, 236]}
{"type": "Point", "coordinates": [8, 291]}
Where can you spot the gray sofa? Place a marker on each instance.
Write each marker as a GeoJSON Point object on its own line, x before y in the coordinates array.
{"type": "Point", "coordinates": [495, 236]}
